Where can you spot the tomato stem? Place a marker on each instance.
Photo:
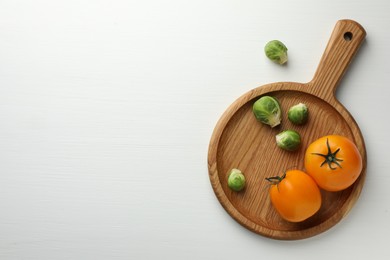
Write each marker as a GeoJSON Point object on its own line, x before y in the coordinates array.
{"type": "Point", "coordinates": [330, 157]}
{"type": "Point", "coordinates": [275, 180]}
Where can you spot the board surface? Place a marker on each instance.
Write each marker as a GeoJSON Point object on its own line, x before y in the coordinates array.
{"type": "Point", "coordinates": [240, 141]}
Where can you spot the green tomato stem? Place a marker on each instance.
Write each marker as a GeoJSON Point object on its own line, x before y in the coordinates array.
{"type": "Point", "coordinates": [330, 157]}
{"type": "Point", "coordinates": [275, 180]}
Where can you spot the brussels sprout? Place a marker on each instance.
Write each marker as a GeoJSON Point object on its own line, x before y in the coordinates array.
{"type": "Point", "coordinates": [267, 110]}
{"type": "Point", "coordinates": [276, 51]}
{"type": "Point", "coordinates": [298, 114]}
{"type": "Point", "coordinates": [236, 180]}
{"type": "Point", "coordinates": [288, 140]}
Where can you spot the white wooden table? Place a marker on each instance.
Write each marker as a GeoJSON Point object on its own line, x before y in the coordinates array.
{"type": "Point", "coordinates": [107, 108]}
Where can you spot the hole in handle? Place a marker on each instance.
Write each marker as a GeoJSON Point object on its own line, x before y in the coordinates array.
{"type": "Point", "coordinates": [348, 36]}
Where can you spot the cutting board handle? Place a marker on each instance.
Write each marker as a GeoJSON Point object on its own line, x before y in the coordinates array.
{"type": "Point", "coordinates": [346, 38]}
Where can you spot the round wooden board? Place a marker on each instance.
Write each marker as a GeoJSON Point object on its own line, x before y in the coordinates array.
{"type": "Point", "coordinates": [240, 141]}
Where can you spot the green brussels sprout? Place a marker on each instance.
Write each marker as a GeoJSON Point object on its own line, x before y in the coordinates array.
{"type": "Point", "coordinates": [276, 51]}
{"type": "Point", "coordinates": [298, 114]}
{"type": "Point", "coordinates": [236, 180]}
{"type": "Point", "coordinates": [288, 140]}
{"type": "Point", "coordinates": [267, 110]}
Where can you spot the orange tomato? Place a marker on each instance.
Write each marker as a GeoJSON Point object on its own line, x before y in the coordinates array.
{"type": "Point", "coordinates": [295, 195]}
{"type": "Point", "coordinates": [334, 162]}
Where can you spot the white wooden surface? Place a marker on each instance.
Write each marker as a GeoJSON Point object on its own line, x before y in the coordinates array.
{"type": "Point", "coordinates": [107, 107]}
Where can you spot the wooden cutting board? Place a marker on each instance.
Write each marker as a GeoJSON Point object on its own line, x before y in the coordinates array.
{"type": "Point", "coordinates": [240, 141]}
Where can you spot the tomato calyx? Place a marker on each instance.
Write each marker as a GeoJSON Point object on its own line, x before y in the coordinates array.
{"type": "Point", "coordinates": [275, 180]}
{"type": "Point", "coordinates": [330, 157]}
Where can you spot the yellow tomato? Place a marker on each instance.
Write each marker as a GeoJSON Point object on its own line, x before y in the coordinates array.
{"type": "Point", "coordinates": [295, 195]}
{"type": "Point", "coordinates": [334, 162]}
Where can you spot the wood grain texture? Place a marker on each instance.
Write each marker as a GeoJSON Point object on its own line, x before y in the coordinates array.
{"type": "Point", "coordinates": [239, 141]}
